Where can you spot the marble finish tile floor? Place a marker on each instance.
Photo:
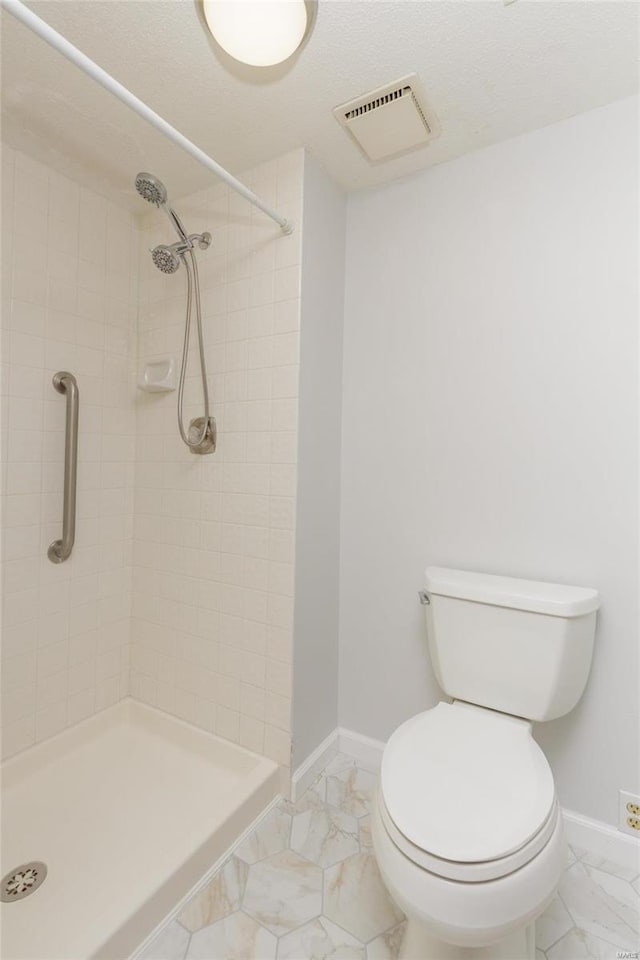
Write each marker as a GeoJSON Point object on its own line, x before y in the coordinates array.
{"type": "Point", "coordinates": [305, 886]}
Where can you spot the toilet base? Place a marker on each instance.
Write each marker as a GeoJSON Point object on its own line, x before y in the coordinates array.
{"type": "Point", "coordinates": [419, 944]}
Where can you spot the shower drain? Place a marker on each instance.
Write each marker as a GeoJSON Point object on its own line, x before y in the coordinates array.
{"type": "Point", "coordinates": [22, 881]}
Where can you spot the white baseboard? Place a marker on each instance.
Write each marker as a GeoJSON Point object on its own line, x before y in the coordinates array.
{"type": "Point", "coordinates": [366, 750]}
{"type": "Point", "coordinates": [598, 838]}
{"type": "Point", "coordinates": [601, 839]}
{"type": "Point", "coordinates": [305, 774]}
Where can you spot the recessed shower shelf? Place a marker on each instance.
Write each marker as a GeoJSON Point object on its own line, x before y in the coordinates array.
{"type": "Point", "coordinates": [158, 376]}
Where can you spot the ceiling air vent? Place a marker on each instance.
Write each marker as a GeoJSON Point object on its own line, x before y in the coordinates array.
{"type": "Point", "coordinates": [390, 120]}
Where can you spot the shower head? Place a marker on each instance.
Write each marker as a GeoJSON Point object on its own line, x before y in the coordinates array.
{"type": "Point", "coordinates": [151, 189]}
{"type": "Point", "coordinates": [166, 257]}
{"type": "Point", "coordinates": [154, 191]}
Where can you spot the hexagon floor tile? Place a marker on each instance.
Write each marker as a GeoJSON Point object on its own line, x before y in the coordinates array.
{"type": "Point", "coordinates": [325, 836]}
{"type": "Point", "coordinates": [234, 938]}
{"type": "Point", "coordinates": [387, 945]}
{"type": "Point", "coordinates": [170, 944]}
{"type": "Point", "coordinates": [305, 886]}
{"type": "Point", "coordinates": [356, 898]}
{"type": "Point", "coordinates": [320, 939]}
{"type": "Point", "coordinates": [221, 897]}
{"type": "Point", "coordinates": [352, 790]}
{"type": "Point", "coordinates": [270, 836]}
{"type": "Point", "coordinates": [283, 892]}
{"type": "Point", "coordinates": [364, 834]}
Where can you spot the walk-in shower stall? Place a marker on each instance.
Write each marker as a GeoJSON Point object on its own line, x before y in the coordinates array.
{"type": "Point", "coordinates": [154, 601]}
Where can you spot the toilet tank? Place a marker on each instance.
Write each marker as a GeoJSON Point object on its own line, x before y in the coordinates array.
{"type": "Point", "coordinates": [518, 646]}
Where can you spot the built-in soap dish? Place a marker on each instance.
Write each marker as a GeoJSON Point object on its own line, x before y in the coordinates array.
{"type": "Point", "coordinates": [158, 376]}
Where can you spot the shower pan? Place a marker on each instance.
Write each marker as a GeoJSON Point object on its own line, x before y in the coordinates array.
{"type": "Point", "coordinates": [201, 434]}
{"type": "Point", "coordinates": [138, 807]}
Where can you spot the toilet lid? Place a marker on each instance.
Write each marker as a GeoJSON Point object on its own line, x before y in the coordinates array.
{"type": "Point", "coordinates": [465, 783]}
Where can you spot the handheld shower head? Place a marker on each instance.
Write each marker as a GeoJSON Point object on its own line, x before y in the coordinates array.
{"type": "Point", "coordinates": [166, 257]}
{"type": "Point", "coordinates": [151, 189]}
{"type": "Point", "coordinates": [154, 191]}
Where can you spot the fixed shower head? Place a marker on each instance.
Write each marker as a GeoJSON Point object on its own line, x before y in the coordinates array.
{"type": "Point", "coordinates": [151, 189]}
{"type": "Point", "coordinates": [166, 257]}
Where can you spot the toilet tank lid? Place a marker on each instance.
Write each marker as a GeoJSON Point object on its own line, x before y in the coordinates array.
{"type": "Point", "coordinates": [554, 599]}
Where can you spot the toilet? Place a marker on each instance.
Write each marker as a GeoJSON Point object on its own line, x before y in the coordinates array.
{"type": "Point", "coordinates": [467, 828]}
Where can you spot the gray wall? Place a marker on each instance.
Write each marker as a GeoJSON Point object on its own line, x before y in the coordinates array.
{"type": "Point", "coordinates": [315, 649]}
{"type": "Point", "coordinates": [490, 419]}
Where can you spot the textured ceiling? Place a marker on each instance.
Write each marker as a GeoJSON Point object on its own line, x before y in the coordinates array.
{"type": "Point", "coordinates": [490, 72]}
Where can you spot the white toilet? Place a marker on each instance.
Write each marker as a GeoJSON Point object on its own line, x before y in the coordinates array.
{"type": "Point", "coordinates": [467, 829]}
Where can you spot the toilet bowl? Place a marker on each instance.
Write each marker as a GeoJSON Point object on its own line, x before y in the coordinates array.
{"type": "Point", "coordinates": [467, 832]}
{"type": "Point", "coordinates": [466, 827]}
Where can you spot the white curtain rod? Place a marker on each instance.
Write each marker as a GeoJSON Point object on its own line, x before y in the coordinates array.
{"type": "Point", "coordinates": [22, 13]}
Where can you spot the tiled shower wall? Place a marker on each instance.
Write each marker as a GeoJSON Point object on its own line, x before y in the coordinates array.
{"type": "Point", "coordinates": [69, 289]}
{"type": "Point", "coordinates": [214, 535]}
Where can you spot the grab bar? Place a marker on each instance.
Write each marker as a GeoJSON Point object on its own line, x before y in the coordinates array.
{"type": "Point", "coordinates": [60, 550]}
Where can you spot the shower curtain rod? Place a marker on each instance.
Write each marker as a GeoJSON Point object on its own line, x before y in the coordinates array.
{"type": "Point", "coordinates": [22, 13]}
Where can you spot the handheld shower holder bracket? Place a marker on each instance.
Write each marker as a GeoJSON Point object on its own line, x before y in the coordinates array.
{"type": "Point", "coordinates": [208, 442]}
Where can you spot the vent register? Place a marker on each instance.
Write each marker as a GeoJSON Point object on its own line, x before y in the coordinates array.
{"type": "Point", "coordinates": [390, 120]}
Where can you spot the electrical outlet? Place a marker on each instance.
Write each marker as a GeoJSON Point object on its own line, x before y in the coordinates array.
{"type": "Point", "coordinates": [629, 813]}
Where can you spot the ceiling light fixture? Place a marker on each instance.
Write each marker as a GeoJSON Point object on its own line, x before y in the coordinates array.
{"type": "Point", "coordinates": [258, 32]}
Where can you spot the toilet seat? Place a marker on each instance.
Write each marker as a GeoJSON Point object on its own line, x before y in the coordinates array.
{"type": "Point", "coordinates": [471, 872]}
{"type": "Point", "coordinates": [466, 792]}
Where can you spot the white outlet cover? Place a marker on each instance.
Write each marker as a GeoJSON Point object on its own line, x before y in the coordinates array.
{"type": "Point", "coordinates": [623, 813]}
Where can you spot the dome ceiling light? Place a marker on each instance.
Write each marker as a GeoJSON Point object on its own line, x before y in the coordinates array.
{"type": "Point", "coordinates": [258, 32]}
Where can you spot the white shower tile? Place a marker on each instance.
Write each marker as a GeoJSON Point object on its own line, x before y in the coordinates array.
{"type": "Point", "coordinates": [251, 734]}
{"type": "Point", "coordinates": [18, 735]}
{"type": "Point", "coordinates": [27, 350]}
{"type": "Point", "coordinates": [48, 335]}
{"type": "Point", "coordinates": [286, 316]}
{"type": "Point", "coordinates": [278, 711]}
{"type": "Point", "coordinates": [277, 745]}
{"type": "Point", "coordinates": [28, 317]}
{"type": "Point", "coordinates": [285, 414]}
{"type": "Point", "coordinates": [80, 706]}
{"type": "Point", "coordinates": [231, 499]}
{"type": "Point", "coordinates": [228, 724]}
{"type": "Point", "coordinates": [285, 382]}
{"type": "Point", "coordinates": [252, 701]}
{"type": "Point", "coordinates": [51, 720]}
{"type": "Point", "coordinates": [287, 283]}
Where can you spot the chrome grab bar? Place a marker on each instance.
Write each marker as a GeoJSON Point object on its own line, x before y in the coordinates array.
{"type": "Point", "coordinates": [60, 550]}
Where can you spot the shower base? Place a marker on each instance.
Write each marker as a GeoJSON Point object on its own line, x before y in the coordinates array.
{"type": "Point", "coordinates": [128, 810]}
